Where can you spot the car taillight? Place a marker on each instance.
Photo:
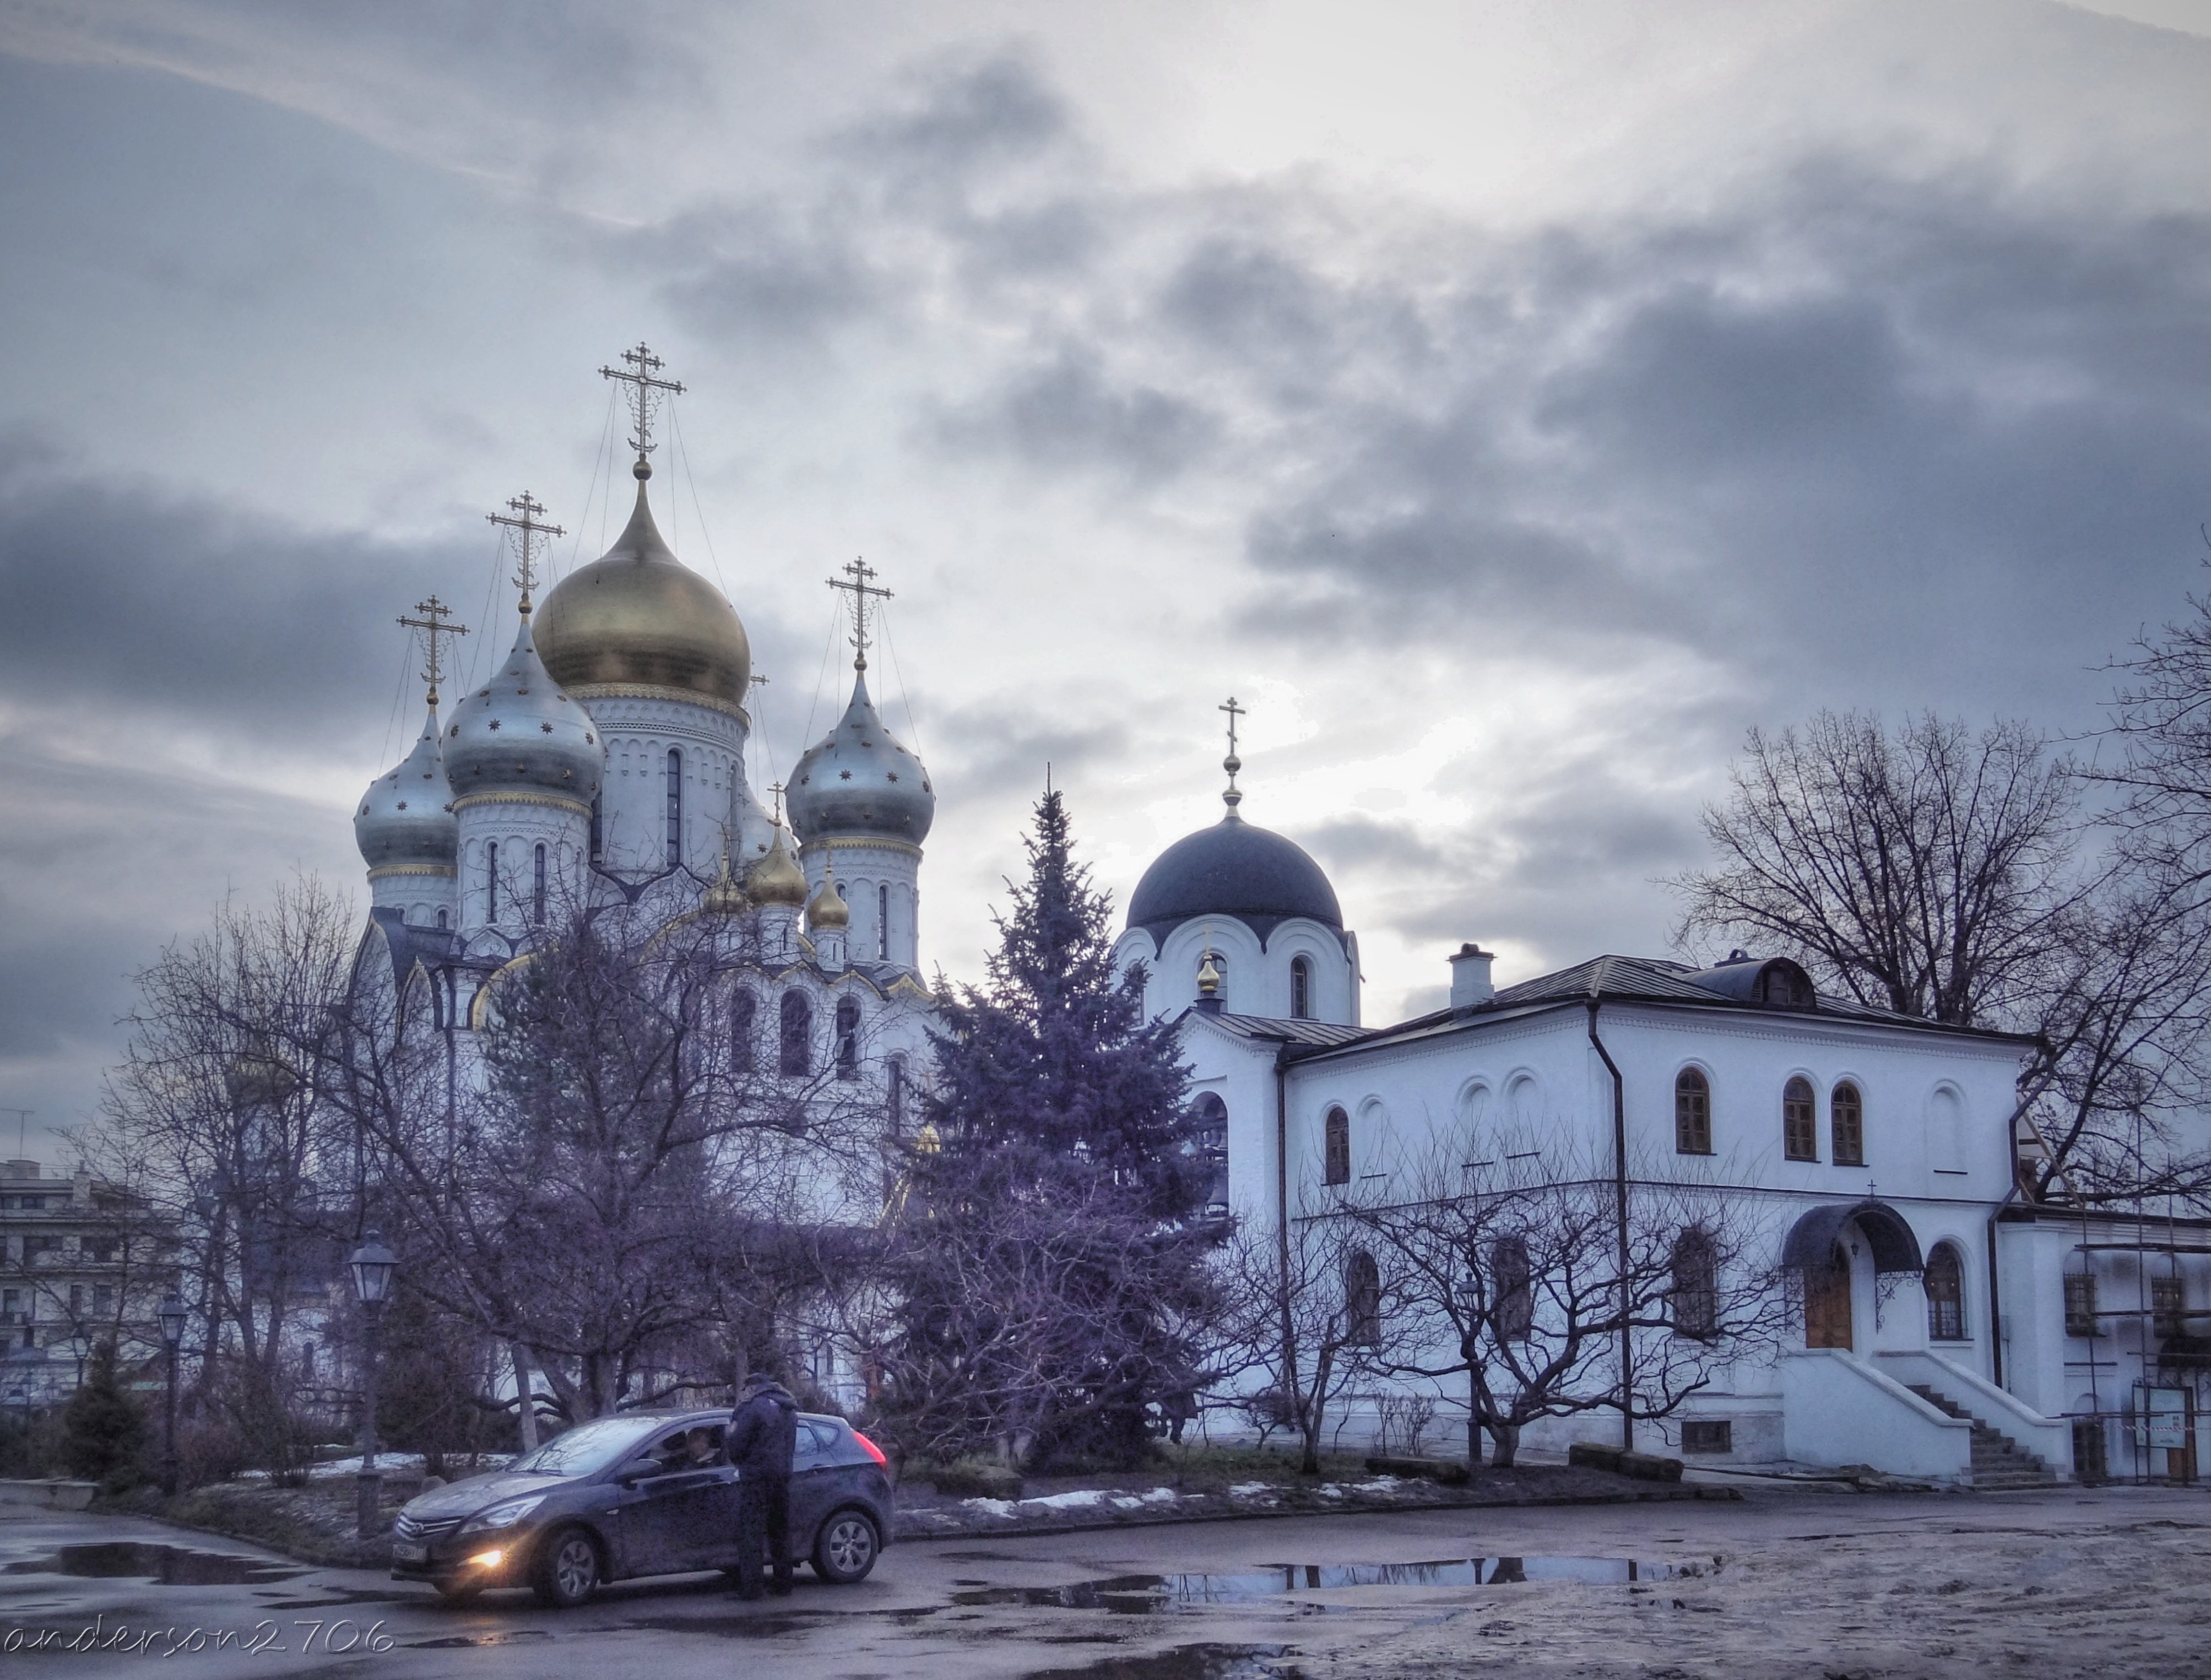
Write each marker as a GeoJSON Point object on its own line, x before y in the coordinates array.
{"type": "Point", "coordinates": [871, 1449]}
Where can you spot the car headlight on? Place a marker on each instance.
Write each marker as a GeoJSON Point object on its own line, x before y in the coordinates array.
{"type": "Point", "coordinates": [503, 1515]}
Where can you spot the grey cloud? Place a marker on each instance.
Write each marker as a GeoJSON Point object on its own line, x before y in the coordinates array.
{"type": "Point", "coordinates": [127, 594]}
{"type": "Point", "coordinates": [760, 277]}
{"type": "Point", "coordinates": [991, 751]}
{"type": "Point", "coordinates": [1366, 844]}
{"type": "Point", "coordinates": [1068, 413]}
{"type": "Point", "coordinates": [962, 116]}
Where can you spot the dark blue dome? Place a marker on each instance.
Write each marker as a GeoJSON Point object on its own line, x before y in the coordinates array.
{"type": "Point", "coordinates": [1233, 869]}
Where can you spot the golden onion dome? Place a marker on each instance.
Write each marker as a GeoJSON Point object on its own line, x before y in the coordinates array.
{"type": "Point", "coordinates": [638, 617]}
{"type": "Point", "coordinates": [723, 897]}
{"type": "Point", "coordinates": [828, 908]}
{"type": "Point", "coordinates": [776, 879]}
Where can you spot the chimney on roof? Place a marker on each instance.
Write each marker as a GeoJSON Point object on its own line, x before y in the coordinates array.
{"type": "Point", "coordinates": [1470, 983]}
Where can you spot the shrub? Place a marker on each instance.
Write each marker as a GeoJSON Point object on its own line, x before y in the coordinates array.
{"type": "Point", "coordinates": [104, 1433]}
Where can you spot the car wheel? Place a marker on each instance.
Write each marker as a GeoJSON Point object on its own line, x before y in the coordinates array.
{"type": "Point", "coordinates": [567, 1568]}
{"type": "Point", "coordinates": [845, 1548]}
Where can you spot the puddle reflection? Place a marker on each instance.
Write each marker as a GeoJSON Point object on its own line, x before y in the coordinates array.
{"type": "Point", "coordinates": [1150, 1595]}
{"type": "Point", "coordinates": [167, 1565]}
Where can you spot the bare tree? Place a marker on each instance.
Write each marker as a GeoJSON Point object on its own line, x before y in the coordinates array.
{"type": "Point", "coordinates": [1510, 1274]}
{"type": "Point", "coordinates": [1927, 873]}
{"type": "Point", "coordinates": [1310, 1308]}
{"type": "Point", "coordinates": [1951, 876]}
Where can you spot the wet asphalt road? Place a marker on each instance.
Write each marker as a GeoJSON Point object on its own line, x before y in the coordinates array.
{"type": "Point", "coordinates": [1193, 1602]}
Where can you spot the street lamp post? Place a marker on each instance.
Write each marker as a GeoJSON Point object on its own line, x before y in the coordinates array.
{"type": "Point", "coordinates": [372, 1265]}
{"type": "Point", "coordinates": [172, 1315]}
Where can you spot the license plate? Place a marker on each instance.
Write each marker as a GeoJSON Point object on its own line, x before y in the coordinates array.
{"type": "Point", "coordinates": [410, 1551]}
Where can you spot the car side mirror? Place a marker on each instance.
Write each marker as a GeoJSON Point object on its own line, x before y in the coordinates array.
{"type": "Point", "coordinates": [637, 1470]}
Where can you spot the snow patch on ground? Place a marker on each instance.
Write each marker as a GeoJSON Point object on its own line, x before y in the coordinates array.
{"type": "Point", "coordinates": [1380, 1484]}
{"type": "Point", "coordinates": [1068, 1500]}
{"type": "Point", "coordinates": [1329, 1490]}
{"type": "Point", "coordinates": [1161, 1495]}
{"type": "Point", "coordinates": [990, 1507]}
{"type": "Point", "coordinates": [1247, 1490]}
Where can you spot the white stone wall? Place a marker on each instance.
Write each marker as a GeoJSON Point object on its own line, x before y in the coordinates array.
{"type": "Point", "coordinates": [639, 731]}
{"type": "Point", "coordinates": [875, 877]}
{"type": "Point", "coordinates": [1255, 979]}
{"type": "Point", "coordinates": [518, 825]}
{"type": "Point", "coordinates": [419, 892]}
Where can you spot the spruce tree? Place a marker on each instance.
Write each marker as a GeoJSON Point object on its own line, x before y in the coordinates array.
{"type": "Point", "coordinates": [103, 1431]}
{"type": "Point", "coordinates": [1049, 1258]}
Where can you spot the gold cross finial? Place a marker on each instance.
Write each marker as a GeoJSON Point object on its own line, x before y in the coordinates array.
{"type": "Point", "coordinates": [860, 587]}
{"type": "Point", "coordinates": [776, 788]}
{"type": "Point", "coordinates": [432, 625]}
{"type": "Point", "coordinates": [1232, 764]}
{"type": "Point", "coordinates": [523, 521]}
{"type": "Point", "coordinates": [645, 391]}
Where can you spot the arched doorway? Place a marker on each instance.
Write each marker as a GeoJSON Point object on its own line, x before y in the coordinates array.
{"type": "Point", "coordinates": [1828, 1302]}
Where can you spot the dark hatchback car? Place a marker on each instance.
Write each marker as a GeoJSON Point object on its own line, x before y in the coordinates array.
{"type": "Point", "coordinates": [638, 1494]}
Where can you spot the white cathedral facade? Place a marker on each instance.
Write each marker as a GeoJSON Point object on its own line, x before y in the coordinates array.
{"type": "Point", "coordinates": [1944, 1330]}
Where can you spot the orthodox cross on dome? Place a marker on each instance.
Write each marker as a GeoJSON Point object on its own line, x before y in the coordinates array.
{"type": "Point", "coordinates": [776, 789]}
{"type": "Point", "coordinates": [522, 519]}
{"type": "Point", "coordinates": [1232, 764]}
{"type": "Point", "coordinates": [862, 589]}
{"type": "Point", "coordinates": [645, 391]}
{"type": "Point", "coordinates": [432, 625]}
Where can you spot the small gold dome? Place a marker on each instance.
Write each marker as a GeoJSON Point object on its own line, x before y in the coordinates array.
{"type": "Point", "coordinates": [638, 617]}
{"type": "Point", "coordinates": [828, 909]}
{"type": "Point", "coordinates": [776, 879]}
{"type": "Point", "coordinates": [723, 897]}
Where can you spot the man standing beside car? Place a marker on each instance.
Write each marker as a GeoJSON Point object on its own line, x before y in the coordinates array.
{"type": "Point", "coordinates": [763, 1435]}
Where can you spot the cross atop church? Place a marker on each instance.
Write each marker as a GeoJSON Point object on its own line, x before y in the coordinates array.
{"type": "Point", "coordinates": [522, 519]}
{"type": "Point", "coordinates": [645, 391]}
{"type": "Point", "coordinates": [1232, 764]}
{"type": "Point", "coordinates": [776, 788]}
{"type": "Point", "coordinates": [862, 589]}
{"type": "Point", "coordinates": [432, 625]}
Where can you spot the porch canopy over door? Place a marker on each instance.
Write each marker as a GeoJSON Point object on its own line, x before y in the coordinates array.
{"type": "Point", "coordinates": [1813, 1238]}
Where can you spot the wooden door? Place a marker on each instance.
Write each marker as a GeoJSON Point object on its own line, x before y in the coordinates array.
{"type": "Point", "coordinates": [1827, 1303]}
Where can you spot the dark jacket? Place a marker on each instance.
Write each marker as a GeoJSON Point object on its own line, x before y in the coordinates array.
{"type": "Point", "coordinates": [763, 1432]}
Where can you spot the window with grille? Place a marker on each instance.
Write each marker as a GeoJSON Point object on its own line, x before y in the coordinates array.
{"type": "Point", "coordinates": [491, 881]}
{"type": "Point", "coordinates": [744, 1013]}
{"type": "Point", "coordinates": [1695, 1285]}
{"type": "Point", "coordinates": [1362, 1300]}
{"type": "Point", "coordinates": [1800, 1132]}
{"type": "Point", "coordinates": [2168, 1307]}
{"type": "Point", "coordinates": [1692, 1113]}
{"type": "Point", "coordinates": [797, 1056]}
{"type": "Point", "coordinates": [1300, 989]}
{"type": "Point", "coordinates": [1946, 1295]}
{"type": "Point", "coordinates": [1516, 1292]}
{"type": "Point", "coordinates": [1846, 1125]}
{"type": "Point", "coordinates": [1336, 1148]}
{"type": "Point", "coordinates": [848, 1038]}
{"type": "Point", "coordinates": [675, 808]}
{"type": "Point", "coordinates": [883, 923]}
{"type": "Point", "coordinates": [1707, 1435]}
{"type": "Point", "coordinates": [537, 892]}
{"type": "Point", "coordinates": [2080, 1303]}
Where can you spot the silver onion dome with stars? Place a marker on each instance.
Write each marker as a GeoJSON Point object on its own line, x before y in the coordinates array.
{"type": "Point", "coordinates": [405, 817]}
{"type": "Point", "coordinates": [520, 734]}
{"type": "Point", "coordinates": [858, 782]}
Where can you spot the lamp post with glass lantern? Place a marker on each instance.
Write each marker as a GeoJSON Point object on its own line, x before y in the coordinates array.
{"type": "Point", "coordinates": [172, 1315]}
{"type": "Point", "coordinates": [372, 1265]}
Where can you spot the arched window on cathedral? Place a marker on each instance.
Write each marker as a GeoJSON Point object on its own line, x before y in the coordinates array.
{"type": "Point", "coordinates": [491, 881]}
{"type": "Point", "coordinates": [1846, 1125]}
{"type": "Point", "coordinates": [1695, 1285]}
{"type": "Point", "coordinates": [675, 808]}
{"type": "Point", "coordinates": [537, 890]}
{"type": "Point", "coordinates": [894, 1095]}
{"type": "Point", "coordinates": [883, 923]}
{"type": "Point", "coordinates": [1300, 989]}
{"type": "Point", "coordinates": [1362, 1299]}
{"type": "Point", "coordinates": [744, 1016]}
{"type": "Point", "coordinates": [1800, 1126]}
{"type": "Point", "coordinates": [1335, 1148]}
{"type": "Point", "coordinates": [1945, 1279]}
{"type": "Point", "coordinates": [797, 1038]}
{"type": "Point", "coordinates": [598, 831]}
{"type": "Point", "coordinates": [848, 1038]}
{"type": "Point", "coordinates": [441, 919]}
{"type": "Point", "coordinates": [1692, 1113]}
{"type": "Point", "coordinates": [1209, 1143]}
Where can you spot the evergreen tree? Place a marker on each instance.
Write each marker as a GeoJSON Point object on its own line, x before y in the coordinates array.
{"type": "Point", "coordinates": [103, 1431]}
{"type": "Point", "coordinates": [1049, 1259]}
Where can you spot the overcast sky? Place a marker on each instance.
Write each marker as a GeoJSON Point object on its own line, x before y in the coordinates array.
{"type": "Point", "coordinates": [1508, 402]}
